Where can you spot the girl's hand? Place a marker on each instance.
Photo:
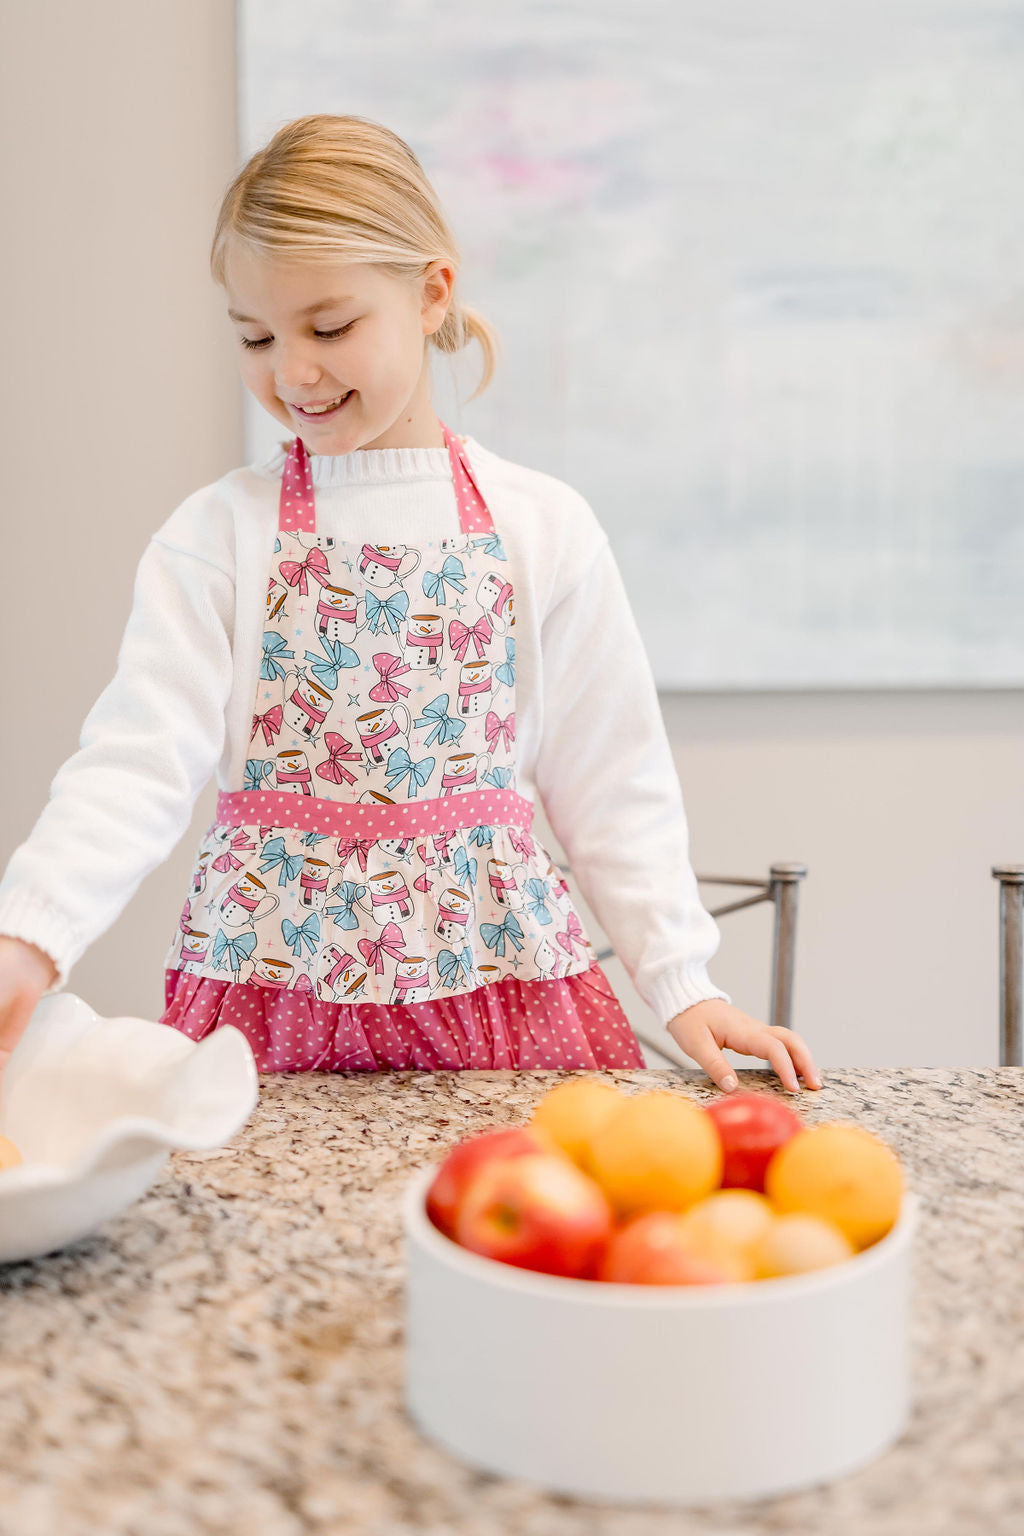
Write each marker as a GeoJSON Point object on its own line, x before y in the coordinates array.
{"type": "Point", "coordinates": [25, 973]}
{"type": "Point", "coordinates": [702, 1031]}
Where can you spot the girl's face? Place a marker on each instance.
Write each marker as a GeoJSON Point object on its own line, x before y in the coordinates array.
{"type": "Point", "coordinates": [309, 334]}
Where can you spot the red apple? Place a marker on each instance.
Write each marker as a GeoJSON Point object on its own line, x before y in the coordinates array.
{"type": "Point", "coordinates": [752, 1127]}
{"type": "Point", "coordinates": [537, 1212]}
{"type": "Point", "coordinates": [463, 1161]}
{"type": "Point", "coordinates": [655, 1249]}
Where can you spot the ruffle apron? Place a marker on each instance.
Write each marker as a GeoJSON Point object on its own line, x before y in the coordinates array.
{"type": "Point", "coordinates": [372, 896]}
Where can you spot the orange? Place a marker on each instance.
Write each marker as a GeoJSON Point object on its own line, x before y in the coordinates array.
{"type": "Point", "coordinates": [737, 1218]}
{"type": "Point", "coordinates": [657, 1152]}
{"type": "Point", "coordinates": [10, 1157]}
{"type": "Point", "coordinates": [794, 1244]}
{"type": "Point", "coordinates": [572, 1112]}
{"type": "Point", "coordinates": [842, 1173]}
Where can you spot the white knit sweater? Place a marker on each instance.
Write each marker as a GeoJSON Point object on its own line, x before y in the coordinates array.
{"type": "Point", "coordinates": [590, 737]}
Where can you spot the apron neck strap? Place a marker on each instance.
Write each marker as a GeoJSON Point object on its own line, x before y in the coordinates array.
{"type": "Point", "coordinates": [297, 506]}
{"type": "Point", "coordinates": [474, 513]}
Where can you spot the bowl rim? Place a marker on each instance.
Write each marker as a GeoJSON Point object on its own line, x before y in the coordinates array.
{"type": "Point", "coordinates": [420, 1229]}
{"type": "Point", "coordinates": [163, 1135]}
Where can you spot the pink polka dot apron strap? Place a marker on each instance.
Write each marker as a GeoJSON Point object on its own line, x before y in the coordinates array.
{"type": "Point", "coordinates": [297, 506]}
{"type": "Point", "coordinates": [474, 513]}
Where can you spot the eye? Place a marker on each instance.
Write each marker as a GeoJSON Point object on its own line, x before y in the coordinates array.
{"type": "Point", "coordinates": [323, 335]}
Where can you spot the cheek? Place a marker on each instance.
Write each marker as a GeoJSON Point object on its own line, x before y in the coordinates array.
{"type": "Point", "coordinates": [257, 375]}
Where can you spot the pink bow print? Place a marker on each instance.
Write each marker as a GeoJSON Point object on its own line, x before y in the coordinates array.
{"type": "Point", "coordinates": [460, 635]}
{"type": "Point", "coordinates": [242, 843]}
{"type": "Point", "coordinates": [296, 571]}
{"type": "Point", "coordinates": [495, 727]}
{"type": "Point", "coordinates": [340, 752]}
{"type": "Point", "coordinates": [389, 667]}
{"type": "Point", "coordinates": [271, 723]}
{"type": "Point", "coordinates": [522, 842]}
{"type": "Point", "coordinates": [391, 941]}
{"type": "Point", "coordinates": [573, 935]}
{"type": "Point", "coordinates": [360, 846]}
{"type": "Point", "coordinates": [185, 920]}
{"type": "Point", "coordinates": [302, 983]}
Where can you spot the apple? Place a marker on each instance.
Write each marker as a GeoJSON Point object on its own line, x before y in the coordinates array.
{"type": "Point", "coordinates": [752, 1127]}
{"type": "Point", "coordinates": [657, 1249]}
{"type": "Point", "coordinates": [536, 1212]}
{"type": "Point", "coordinates": [454, 1175]}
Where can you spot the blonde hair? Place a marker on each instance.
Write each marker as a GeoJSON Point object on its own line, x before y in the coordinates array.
{"type": "Point", "coordinates": [331, 189]}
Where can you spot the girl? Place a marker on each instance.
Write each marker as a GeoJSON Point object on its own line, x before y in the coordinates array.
{"type": "Point", "coordinates": [387, 640]}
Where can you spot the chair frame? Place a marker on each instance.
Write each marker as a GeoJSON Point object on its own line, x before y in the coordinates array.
{"type": "Point", "coordinates": [1011, 963]}
{"type": "Point", "coordinates": [782, 889]}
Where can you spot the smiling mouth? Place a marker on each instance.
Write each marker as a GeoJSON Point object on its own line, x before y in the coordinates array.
{"type": "Point", "coordinates": [315, 412]}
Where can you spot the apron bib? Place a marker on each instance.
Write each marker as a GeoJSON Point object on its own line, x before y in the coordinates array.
{"type": "Point", "coordinates": [378, 850]}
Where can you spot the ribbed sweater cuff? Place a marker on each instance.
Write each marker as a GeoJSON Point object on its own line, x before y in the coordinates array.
{"type": "Point", "coordinates": [25, 915]}
{"type": "Point", "coordinates": [679, 989]}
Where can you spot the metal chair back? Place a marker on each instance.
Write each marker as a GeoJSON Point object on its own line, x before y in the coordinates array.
{"type": "Point", "coordinates": [1011, 962]}
{"type": "Point", "coordinates": [781, 888]}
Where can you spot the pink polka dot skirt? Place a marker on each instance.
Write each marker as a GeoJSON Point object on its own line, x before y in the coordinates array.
{"type": "Point", "coordinates": [573, 1022]}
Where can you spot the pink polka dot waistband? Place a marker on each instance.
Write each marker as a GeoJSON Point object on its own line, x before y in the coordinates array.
{"type": "Point", "coordinates": [335, 818]}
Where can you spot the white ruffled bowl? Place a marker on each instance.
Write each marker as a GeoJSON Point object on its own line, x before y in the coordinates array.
{"type": "Point", "coordinates": [95, 1106]}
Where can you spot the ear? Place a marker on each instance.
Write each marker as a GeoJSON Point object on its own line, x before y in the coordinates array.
{"type": "Point", "coordinates": [438, 281]}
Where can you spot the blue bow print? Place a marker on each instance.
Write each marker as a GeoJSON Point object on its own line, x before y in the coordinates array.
{"type": "Point", "coordinates": [506, 673]}
{"type": "Point", "coordinates": [312, 838]}
{"type": "Point", "coordinates": [501, 778]}
{"type": "Point", "coordinates": [309, 934]}
{"type": "Point", "coordinates": [393, 611]}
{"type": "Point", "coordinates": [347, 892]}
{"type": "Point", "coordinates": [274, 854]}
{"type": "Point", "coordinates": [464, 868]}
{"type": "Point", "coordinates": [537, 892]}
{"type": "Point", "coordinates": [495, 934]}
{"type": "Point", "coordinates": [338, 656]}
{"type": "Point", "coordinates": [237, 949]}
{"type": "Point", "coordinates": [483, 836]}
{"type": "Point", "coordinates": [277, 546]}
{"type": "Point", "coordinates": [491, 545]}
{"type": "Point", "coordinates": [400, 764]}
{"type": "Point", "coordinates": [450, 964]}
{"type": "Point", "coordinates": [273, 651]}
{"type": "Point", "coordinates": [256, 770]}
{"type": "Point", "coordinates": [443, 726]}
{"type": "Point", "coordinates": [453, 572]}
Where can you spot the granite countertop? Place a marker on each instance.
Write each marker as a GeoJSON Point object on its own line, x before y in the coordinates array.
{"type": "Point", "coordinates": [226, 1356]}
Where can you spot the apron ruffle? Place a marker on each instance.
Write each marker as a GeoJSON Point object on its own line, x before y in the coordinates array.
{"type": "Point", "coordinates": [569, 1024]}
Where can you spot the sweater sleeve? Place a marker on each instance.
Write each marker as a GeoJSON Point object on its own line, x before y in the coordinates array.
{"type": "Point", "coordinates": [609, 786]}
{"type": "Point", "coordinates": [119, 804]}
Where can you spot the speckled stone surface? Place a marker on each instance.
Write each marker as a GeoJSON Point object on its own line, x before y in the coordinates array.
{"type": "Point", "coordinates": [226, 1356]}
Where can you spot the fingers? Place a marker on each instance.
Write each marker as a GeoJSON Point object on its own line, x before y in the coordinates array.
{"type": "Point", "coordinates": [801, 1055]}
{"type": "Point", "coordinates": [14, 1021]}
{"type": "Point", "coordinates": [783, 1064]}
{"type": "Point", "coordinates": [704, 1050]}
{"type": "Point", "coordinates": [788, 1053]}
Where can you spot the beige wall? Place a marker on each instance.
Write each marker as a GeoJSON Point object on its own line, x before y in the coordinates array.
{"type": "Point", "coordinates": [899, 804]}
{"type": "Point", "coordinates": [118, 137]}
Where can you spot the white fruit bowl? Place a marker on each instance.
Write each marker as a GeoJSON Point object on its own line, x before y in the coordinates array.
{"type": "Point", "coordinates": [655, 1394]}
{"type": "Point", "coordinates": [95, 1106]}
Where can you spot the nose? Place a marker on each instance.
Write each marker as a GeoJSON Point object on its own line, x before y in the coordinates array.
{"type": "Point", "coordinates": [297, 368]}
